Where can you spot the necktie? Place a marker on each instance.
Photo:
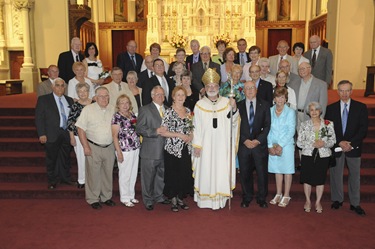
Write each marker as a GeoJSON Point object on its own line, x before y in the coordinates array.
{"type": "Point", "coordinates": [313, 59]}
{"type": "Point", "coordinates": [205, 66]}
{"type": "Point", "coordinates": [63, 115]}
{"type": "Point", "coordinates": [161, 113]}
{"type": "Point", "coordinates": [77, 58]}
{"type": "Point", "coordinates": [133, 61]}
{"type": "Point", "coordinates": [164, 85]}
{"type": "Point", "coordinates": [281, 58]}
{"type": "Point", "coordinates": [344, 118]}
{"type": "Point", "coordinates": [119, 87]}
{"type": "Point", "coordinates": [251, 116]}
{"type": "Point", "coordinates": [242, 60]}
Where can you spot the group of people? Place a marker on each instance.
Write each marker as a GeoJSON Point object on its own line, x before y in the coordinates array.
{"type": "Point", "coordinates": [190, 124]}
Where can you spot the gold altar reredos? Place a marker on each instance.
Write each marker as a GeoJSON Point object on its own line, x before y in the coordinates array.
{"type": "Point", "coordinates": [201, 20]}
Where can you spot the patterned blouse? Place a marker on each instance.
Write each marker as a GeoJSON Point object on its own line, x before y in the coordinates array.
{"type": "Point", "coordinates": [238, 90]}
{"type": "Point", "coordinates": [171, 120]}
{"type": "Point", "coordinates": [128, 138]}
{"type": "Point", "coordinates": [75, 111]}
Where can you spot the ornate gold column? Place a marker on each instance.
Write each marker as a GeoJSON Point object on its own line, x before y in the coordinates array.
{"type": "Point", "coordinates": [28, 72]}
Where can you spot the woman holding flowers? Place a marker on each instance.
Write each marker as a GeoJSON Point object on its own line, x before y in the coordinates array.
{"type": "Point", "coordinates": [178, 125]}
{"type": "Point", "coordinates": [94, 66]}
{"type": "Point", "coordinates": [316, 138]}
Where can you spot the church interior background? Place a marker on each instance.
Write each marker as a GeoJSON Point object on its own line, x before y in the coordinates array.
{"type": "Point", "coordinates": [34, 32]}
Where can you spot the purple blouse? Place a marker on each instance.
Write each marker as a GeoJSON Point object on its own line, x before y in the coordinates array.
{"type": "Point", "coordinates": [128, 138]}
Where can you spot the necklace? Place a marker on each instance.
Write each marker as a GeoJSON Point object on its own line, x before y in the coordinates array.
{"type": "Point", "coordinates": [279, 112]}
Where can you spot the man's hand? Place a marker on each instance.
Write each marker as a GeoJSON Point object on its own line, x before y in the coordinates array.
{"type": "Point", "coordinates": [345, 146]}
{"type": "Point", "coordinates": [87, 151]}
{"type": "Point", "coordinates": [251, 144]}
{"type": "Point", "coordinates": [43, 139]}
{"type": "Point", "coordinates": [197, 152]}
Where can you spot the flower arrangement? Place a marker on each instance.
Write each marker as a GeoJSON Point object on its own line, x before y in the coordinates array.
{"type": "Point", "coordinates": [189, 127]}
{"type": "Point", "coordinates": [133, 121]}
{"type": "Point", "coordinates": [178, 41]}
{"type": "Point", "coordinates": [104, 75]}
{"type": "Point", "coordinates": [324, 130]}
{"type": "Point", "coordinates": [224, 37]}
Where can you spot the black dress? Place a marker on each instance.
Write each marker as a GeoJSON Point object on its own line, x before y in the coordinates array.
{"type": "Point", "coordinates": [314, 169]}
{"type": "Point", "coordinates": [192, 99]}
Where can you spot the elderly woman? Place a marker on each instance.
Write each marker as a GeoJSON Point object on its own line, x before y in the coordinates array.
{"type": "Point", "coordinates": [218, 58]}
{"type": "Point", "coordinates": [132, 79]}
{"type": "Point", "coordinates": [254, 54]}
{"type": "Point", "coordinates": [82, 90]}
{"type": "Point", "coordinates": [238, 86]}
{"type": "Point", "coordinates": [155, 50]}
{"type": "Point", "coordinates": [316, 138]}
{"type": "Point", "coordinates": [281, 79]}
{"type": "Point", "coordinates": [127, 144]}
{"type": "Point", "coordinates": [79, 70]}
{"type": "Point", "coordinates": [229, 56]}
{"type": "Point", "coordinates": [180, 57]}
{"type": "Point", "coordinates": [178, 125]}
{"type": "Point", "coordinates": [281, 146]}
{"type": "Point", "coordinates": [93, 65]}
{"type": "Point", "coordinates": [264, 65]}
{"type": "Point", "coordinates": [298, 49]}
{"type": "Point", "coordinates": [192, 94]}
{"type": "Point", "coordinates": [178, 69]}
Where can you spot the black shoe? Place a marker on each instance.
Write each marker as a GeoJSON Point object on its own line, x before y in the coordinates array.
{"type": "Point", "coordinates": [149, 207]}
{"type": "Point", "coordinates": [80, 185]}
{"type": "Point", "coordinates": [109, 203]}
{"type": "Point", "coordinates": [262, 204]}
{"type": "Point", "coordinates": [174, 208]}
{"type": "Point", "coordinates": [52, 186]}
{"type": "Point", "coordinates": [96, 205]}
{"type": "Point", "coordinates": [166, 201]}
{"type": "Point", "coordinates": [358, 210]}
{"type": "Point", "coordinates": [336, 205]}
{"type": "Point", "coordinates": [245, 204]}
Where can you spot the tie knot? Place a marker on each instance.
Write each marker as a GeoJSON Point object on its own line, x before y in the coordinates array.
{"type": "Point", "coordinates": [345, 105]}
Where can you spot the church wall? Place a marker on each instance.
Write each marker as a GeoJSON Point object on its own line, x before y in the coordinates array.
{"type": "Point", "coordinates": [350, 34]}
{"type": "Point", "coordinates": [51, 31]}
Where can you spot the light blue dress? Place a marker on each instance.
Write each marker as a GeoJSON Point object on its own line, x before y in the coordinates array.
{"type": "Point", "coordinates": [282, 132]}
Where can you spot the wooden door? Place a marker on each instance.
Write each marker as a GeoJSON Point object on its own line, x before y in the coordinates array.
{"type": "Point", "coordinates": [274, 36]}
{"type": "Point", "coordinates": [120, 39]}
{"type": "Point", "coordinates": [15, 61]}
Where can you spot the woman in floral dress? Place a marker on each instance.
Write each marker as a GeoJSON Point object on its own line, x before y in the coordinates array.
{"type": "Point", "coordinates": [238, 86]}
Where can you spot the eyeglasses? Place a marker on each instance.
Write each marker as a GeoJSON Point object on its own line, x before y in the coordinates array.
{"type": "Point", "coordinates": [255, 71]}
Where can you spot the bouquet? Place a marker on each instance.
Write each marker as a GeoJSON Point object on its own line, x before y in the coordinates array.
{"type": "Point", "coordinates": [178, 41]}
{"type": "Point", "coordinates": [223, 37]}
{"type": "Point", "coordinates": [104, 75]}
{"type": "Point", "coordinates": [189, 127]}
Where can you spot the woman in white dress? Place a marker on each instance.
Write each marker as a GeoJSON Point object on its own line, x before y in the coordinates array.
{"type": "Point", "coordinates": [93, 65]}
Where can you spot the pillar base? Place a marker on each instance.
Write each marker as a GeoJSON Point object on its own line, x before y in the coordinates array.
{"type": "Point", "coordinates": [30, 79]}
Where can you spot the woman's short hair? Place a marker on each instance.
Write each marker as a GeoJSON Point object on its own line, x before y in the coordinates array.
{"type": "Point", "coordinates": [299, 45]}
{"type": "Point", "coordinates": [77, 65]}
{"type": "Point", "coordinates": [316, 105]}
{"type": "Point", "coordinates": [280, 91]}
{"type": "Point", "coordinates": [177, 64]}
{"type": "Point", "coordinates": [132, 73]}
{"type": "Point", "coordinates": [178, 88]}
{"type": "Point", "coordinates": [264, 59]}
{"type": "Point", "coordinates": [227, 51]}
{"type": "Point", "coordinates": [121, 97]}
{"type": "Point", "coordinates": [280, 72]}
{"type": "Point", "coordinates": [220, 42]}
{"type": "Point", "coordinates": [186, 73]}
{"type": "Point", "coordinates": [254, 48]}
{"type": "Point", "coordinates": [79, 86]}
{"type": "Point", "coordinates": [180, 50]}
{"type": "Point", "coordinates": [237, 67]}
{"type": "Point", "coordinates": [155, 45]}
{"type": "Point", "coordinates": [88, 45]}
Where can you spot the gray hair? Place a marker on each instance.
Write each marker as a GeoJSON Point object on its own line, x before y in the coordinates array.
{"type": "Point", "coordinates": [316, 105]}
{"type": "Point", "coordinates": [82, 85]}
{"type": "Point", "coordinates": [264, 59]}
{"type": "Point", "coordinates": [155, 88]}
{"type": "Point", "coordinates": [205, 48]}
{"type": "Point", "coordinates": [101, 88]}
{"type": "Point", "coordinates": [132, 73]}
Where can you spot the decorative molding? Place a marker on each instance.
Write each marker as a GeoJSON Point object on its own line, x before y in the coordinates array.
{"type": "Point", "coordinates": [24, 4]}
{"type": "Point", "coordinates": [280, 24]}
{"type": "Point", "coordinates": [123, 25]}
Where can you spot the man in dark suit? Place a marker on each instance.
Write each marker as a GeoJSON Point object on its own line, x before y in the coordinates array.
{"type": "Point", "coordinates": [51, 116]}
{"type": "Point", "coordinates": [147, 73]}
{"type": "Point", "coordinates": [67, 59]}
{"type": "Point", "coordinates": [351, 123]}
{"type": "Point", "coordinates": [242, 56]}
{"type": "Point", "coordinates": [195, 57]}
{"type": "Point", "coordinates": [253, 152]}
{"type": "Point", "coordinates": [129, 60]}
{"type": "Point", "coordinates": [264, 88]}
{"type": "Point", "coordinates": [159, 79]}
{"type": "Point", "coordinates": [320, 59]}
{"type": "Point", "coordinates": [199, 68]}
{"type": "Point", "coordinates": [152, 150]}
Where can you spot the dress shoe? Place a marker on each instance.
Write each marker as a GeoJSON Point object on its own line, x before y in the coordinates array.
{"type": "Point", "coordinates": [174, 208]}
{"type": "Point", "coordinates": [358, 210]}
{"type": "Point", "coordinates": [52, 186]}
{"type": "Point", "coordinates": [336, 205]}
{"type": "Point", "coordinates": [109, 203]}
{"type": "Point", "coordinates": [96, 205]}
{"type": "Point", "coordinates": [149, 207]}
{"type": "Point", "coordinates": [80, 185]}
{"type": "Point", "coordinates": [262, 204]}
{"type": "Point", "coordinates": [166, 201]}
{"type": "Point", "coordinates": [245, 204]}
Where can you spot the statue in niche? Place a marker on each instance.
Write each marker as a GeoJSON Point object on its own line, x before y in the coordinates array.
{"type": "Point", "coordinates": [261, 10]}
{"type": "Point", "coordinates": [140, 6]}
{"type": "Point", "coordinates": [119, 11]}
{"type": "Point", "coordinates": [284, 10]}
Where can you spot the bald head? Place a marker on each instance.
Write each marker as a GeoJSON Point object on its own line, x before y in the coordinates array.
{"type": "Point", "coordinates": [282, 47]}
{"type": "Point", "coordinates": [314, 41]}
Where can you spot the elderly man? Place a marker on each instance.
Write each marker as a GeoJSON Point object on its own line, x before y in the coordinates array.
{"type": "Point", "coordinates": [129, 60]}
{"type": "Point", "coordinates": [253, 149]}
{"type": "Point", "coordinates": [152, 150]}
{"type": "Point", "coordinates": [66, 59]}
{"type": "Point", "coordinates": [242, 56]}
{"type": "Point", "coordinates": [199, 68]}
{"type": "Point", "coordinates": [351, 123]}
{"type": "Point", "coordinates": [282, 47]}
{"type": "Point", "coordinates": [284, 66]}
{"type": "Point", "coordinates": [118, 87]}
{"type": "Point", "coordinates": [211, 160]}
{"type": "Point", "coordinates": [94, 131]}
{"type": "Point", "coordinates": [51, 116]}
{"type": "Point", "coordinates": [320, 59]}
{"type": "Point", "coordinates": [195, 57]}
{"type": "Point", "coordinates": [45, 87]}
{"type": "Point", "coordinates": [308, 89]}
